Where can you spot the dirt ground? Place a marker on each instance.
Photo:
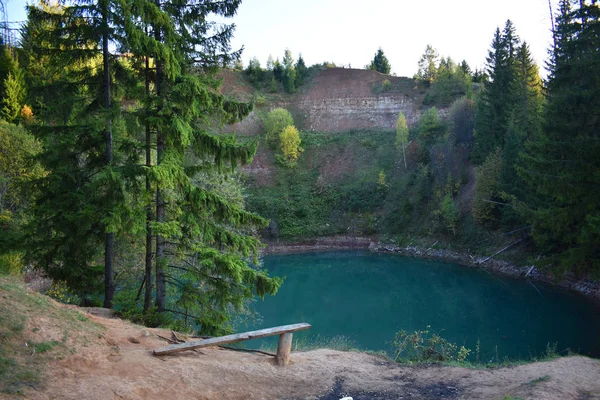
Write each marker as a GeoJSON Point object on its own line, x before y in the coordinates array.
{"type": "Point", "coordinates": [118, 364]}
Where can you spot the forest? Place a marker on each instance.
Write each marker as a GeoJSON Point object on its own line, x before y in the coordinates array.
{"type": "Point", "coordinates": [117, 183]}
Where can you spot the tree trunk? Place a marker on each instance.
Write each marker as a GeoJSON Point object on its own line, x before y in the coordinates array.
{"type": "Point", "coordinates": [109, 243]}
{"type": "Point", "coordinates": [149, 213]}
{"type": "Point", "coordinates": [404, 154]}
{"type": "Point", "coordinates": [161, 291]}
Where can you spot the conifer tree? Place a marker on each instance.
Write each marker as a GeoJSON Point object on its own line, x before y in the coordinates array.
{"type": "Point", "coordinates": [380, 63]}
{"type": "Point", "coordinates": [14, 94]}
{"type": "Point", "coordinates": [301, 71]}
{"type": "Point", "coordinates": [81, 145]}
{"type": "Point", "coordinates": [201, 239]}
{"type": "Point", "coordinates": [495, 101]}
{"type": "Point", "coordinates": [562, 163]}
{"type": "Point", "coordinates": [428, 65]}
{"type": "Point", "coordinates": [524, 122]}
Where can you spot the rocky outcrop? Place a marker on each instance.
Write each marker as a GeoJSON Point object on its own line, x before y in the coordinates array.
{"type": "Point", "coordinates": [342, 99]}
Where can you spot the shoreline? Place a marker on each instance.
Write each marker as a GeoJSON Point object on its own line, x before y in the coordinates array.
{"type": "Point", "coordinates": [587, 288]}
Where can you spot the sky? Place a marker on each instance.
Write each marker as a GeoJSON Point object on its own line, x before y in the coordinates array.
{"type": "Point", "coordinates": [349, 32]}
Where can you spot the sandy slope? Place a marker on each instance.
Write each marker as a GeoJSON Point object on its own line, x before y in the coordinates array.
{"type": "Point", "coordinates": [113, 366]}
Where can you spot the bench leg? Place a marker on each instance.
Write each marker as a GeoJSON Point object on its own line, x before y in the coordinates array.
{"type": "Point", "coordinates": [284, 348]}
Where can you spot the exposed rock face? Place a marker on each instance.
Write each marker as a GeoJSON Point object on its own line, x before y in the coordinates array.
{"type": "Point", "coordinates": [344, 114]}
{"type": "Point", "coordinates": [340, 99]}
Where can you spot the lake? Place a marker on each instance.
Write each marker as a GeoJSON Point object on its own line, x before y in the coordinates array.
{"type": "Point", "coordinates": [368, 297]}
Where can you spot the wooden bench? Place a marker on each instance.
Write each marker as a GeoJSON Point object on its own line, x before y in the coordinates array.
{"type": "Point", "coordinates": [284, 347]}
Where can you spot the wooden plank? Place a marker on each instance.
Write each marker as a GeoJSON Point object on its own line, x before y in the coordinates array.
{"type": "Point", "coordinates": [238, 337]}
{"type": "Point", "coordinates": [284, 348]}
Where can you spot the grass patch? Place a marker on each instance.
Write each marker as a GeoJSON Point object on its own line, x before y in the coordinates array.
{"type": "Point", "coordinates": [26, 347]}
{"type": "Point", "coordinates": [44, 347]}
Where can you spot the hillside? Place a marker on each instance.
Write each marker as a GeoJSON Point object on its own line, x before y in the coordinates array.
{"type": "Point", "coordinates": [334, 100]}
{"type": "Point", "coordinates": [351, 179]}
{"type": "Point", "coordinates": [92, 357]}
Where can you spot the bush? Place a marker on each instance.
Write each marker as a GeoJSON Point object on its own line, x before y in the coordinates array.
{"type": "Point", "coordinates": [430, 125]}
{"type": "Point", "coordinates": [424, 346]}
{"type": "Point", "coordinates": [462, 119]}
{"type": "Point", "coordinates": [275, 122]}
{"type": "Point", "coordinates": [448, 214]}
{"type": "Point", "coordinates": [289, 143]}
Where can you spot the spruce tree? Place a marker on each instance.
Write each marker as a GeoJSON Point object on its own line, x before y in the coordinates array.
{"type": "Point", "coordinates": [202, 239]}
{"type": "Point", "coordinates": [80, 145]}
{"type": "Point", "coordinates": [14, 94]}
{"type": "Point", "coordinates": [524, 122]}
{"type": "Point", "coordinates": [562, 163]}
{"type": "Point", "coordinates": [301, 71]}
{"type": "Point", "coordinates": [495, 101]}
{"type": "Point", "coordinates": [380, 63]}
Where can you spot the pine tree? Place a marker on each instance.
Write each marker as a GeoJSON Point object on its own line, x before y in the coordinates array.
{"type": "Point", "coordinates": [562, 163]}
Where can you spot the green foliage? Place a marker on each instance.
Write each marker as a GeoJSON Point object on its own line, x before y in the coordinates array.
{"type": "Point", "coordinates": [17, 170]}
{"type": "Point", "coordinates": [561, 164]}
{"type": "Point", "coordinates": [381, 180]}
{"type": "Point", "coordinates": [17, 165]}
{"type": "Point", "coordinates": [8, 65]}
{"type": "Point", "coordinates": [486, 189]}
{"type": "Point", "coordinates": [204, 237]}
{"type": "Point", "coordinates": [430, 127]}
{"type": "Point", "coordinates": [289, 72]}
{"type": "Point", "coordinates": [11, 263]}
{"type": "Point", "coordinates": [60, 291]}
{"type": "Point", "coordinates": [254, 71]}
{"type": "Point", "coordinates": [496, 101]}
{"type": "Point", "coordinates": [380, 63]}
{"type": "Point", "coordinates": [424, 346]}
{"type": "Point", "coordinates": [301, 71]}
{"type": "Point", "coordinates": [14, 94]}
{"type": "Point", "coordinates": [427, 71]}
{"type": "Point", "coordinates": [448, 213]}
{"type": "Point", "coordinates": [289, 144]}
{"type": "Point", "coordinates": [450, 83]}
{"type": "Point", "coordinates": [462, 121]}
{"type": "Point", "coordinates": [402, 133]}
{"type": "Point", "coordinates": [275, 122]}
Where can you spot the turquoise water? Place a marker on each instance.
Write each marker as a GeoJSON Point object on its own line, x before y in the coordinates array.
{"type": "Point", "coordinates": [368, 297]}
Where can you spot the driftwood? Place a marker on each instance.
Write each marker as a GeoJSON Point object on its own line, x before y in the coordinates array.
{"type": "Point", "coordinates": [501, 251]}
{"type": "Point", "coordinates": [168, 339]}
{"type": "Point", "coordinates": [283, 349]}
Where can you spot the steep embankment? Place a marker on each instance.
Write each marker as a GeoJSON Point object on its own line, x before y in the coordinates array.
{"type": "Point", "coordinates": [104, 358]}
{"type": "Point", "coordinates": [335, 100]}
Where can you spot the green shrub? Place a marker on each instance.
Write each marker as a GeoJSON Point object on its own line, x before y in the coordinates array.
{"type": "Point", "coordinates": [425, 346]}
{"type": "Point", "coordinates": [275, 122]}
{"type": "Point", "coordinates": [289, 144]}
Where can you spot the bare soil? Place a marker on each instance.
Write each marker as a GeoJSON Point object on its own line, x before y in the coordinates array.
{"type": "Point", "coordinates": [118, 364]}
